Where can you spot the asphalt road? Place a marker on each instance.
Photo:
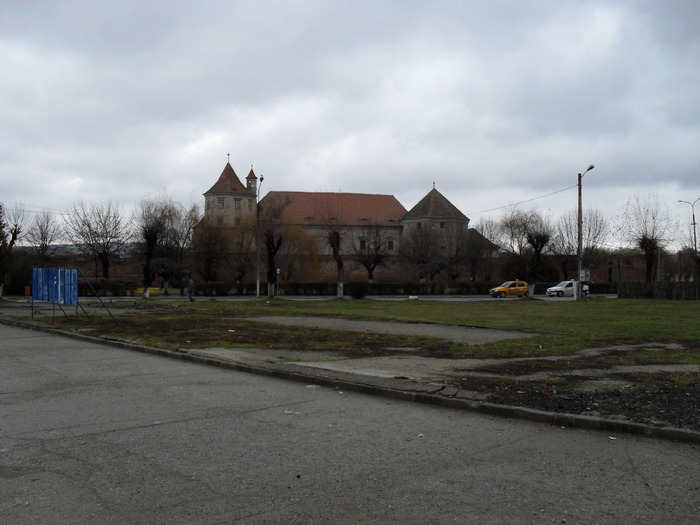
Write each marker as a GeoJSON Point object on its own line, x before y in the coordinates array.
{"type": "Point", "coordinates": [95, 434]}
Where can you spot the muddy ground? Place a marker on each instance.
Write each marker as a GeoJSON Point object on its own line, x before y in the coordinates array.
{"type": "Point", "coordinates": [593, 382]}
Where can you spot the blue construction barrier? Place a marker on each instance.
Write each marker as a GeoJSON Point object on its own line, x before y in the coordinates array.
{"type": "Point", "coordinates": [55, 285]}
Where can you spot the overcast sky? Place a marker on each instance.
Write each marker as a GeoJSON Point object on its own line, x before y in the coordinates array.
{"type": "Point", "coordinates": [496, 102]}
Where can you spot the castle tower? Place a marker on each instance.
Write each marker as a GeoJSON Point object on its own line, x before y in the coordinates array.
{"type": "Point", "coordinates": [438, 218]}
{"type": "Point", "coordinates": [252, 182]}
{"type": "Point", "coordinates": [228, 202]}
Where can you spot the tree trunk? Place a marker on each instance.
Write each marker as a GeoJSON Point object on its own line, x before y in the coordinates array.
{"type": "Point", "coordinates": [650, 256]}
{"type": "Point", "coordinates": [334, 241]}
{"type": "Point", "coordinates": [104, 261]}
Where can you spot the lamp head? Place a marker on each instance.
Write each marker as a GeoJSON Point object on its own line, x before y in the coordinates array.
{"type": "Point", "coordinates": [590, 167]}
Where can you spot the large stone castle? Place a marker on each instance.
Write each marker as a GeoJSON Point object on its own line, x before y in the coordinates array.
{"type": "Point", "coordinates": [230, 204]}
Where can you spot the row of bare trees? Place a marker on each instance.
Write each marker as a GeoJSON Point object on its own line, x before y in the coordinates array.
{"type": "Point", "coordinates": [525, 235]}
{"type": "Point", "coordinates": [161, 230]}
{"type": "Point", "coordinates": [644, 224]}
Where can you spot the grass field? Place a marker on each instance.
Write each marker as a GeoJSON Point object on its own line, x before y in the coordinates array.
{"type": "Point", "coordinates": [562, 327]}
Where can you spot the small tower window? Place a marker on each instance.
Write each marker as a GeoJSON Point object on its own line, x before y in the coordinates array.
{"type": "Point", "coordinates": [220, 203]}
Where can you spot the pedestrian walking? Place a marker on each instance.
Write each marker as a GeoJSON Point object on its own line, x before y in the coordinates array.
{"type": "Point", "coordinates": [190, 290]}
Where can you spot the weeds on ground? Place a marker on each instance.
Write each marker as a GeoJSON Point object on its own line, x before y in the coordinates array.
{"type": "Point", "coordinates": [562, 328]}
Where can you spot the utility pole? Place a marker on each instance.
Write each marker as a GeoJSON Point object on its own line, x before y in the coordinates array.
{"type": "Point", "coordinates": [579, 251]}
{"type": "Point", "coordinates": [696, 260]}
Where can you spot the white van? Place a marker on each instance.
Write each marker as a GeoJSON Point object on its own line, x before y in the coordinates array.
{"type": "Point", "coordinates": [566, 288]}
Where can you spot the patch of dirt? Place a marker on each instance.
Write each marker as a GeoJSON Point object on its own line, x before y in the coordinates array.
{"type": "Point", "coordinates": [586, 382]}
{"type": "Point", "coordinates": [656, 394]}
{"type": "Point", "coordinates": [661, 403]}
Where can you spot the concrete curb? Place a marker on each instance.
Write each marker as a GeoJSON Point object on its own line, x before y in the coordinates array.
{"type": "Point", "coordinates": [400, 389]}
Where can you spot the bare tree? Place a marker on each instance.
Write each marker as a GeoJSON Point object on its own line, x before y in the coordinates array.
{"type": "Point", "coordinates": [211, 250]}
{"type": "Point", "coordinates": [370, 248]}
{"type": "Point", "coordinates": [526, 235]}
{"type": "Point", "coordinates": [538, 233]}
{"type": "Point", "coordinates": [181, 228]}
{"type": "Point", "coordinates": [686, 263]}
{"type": "Point", "coordinates": [6, 245]}
{"type": "Point", "coordinates": [595, 234]}
{"type": "Point", "coordinates": [44, 236]}
{"type": "Point", "coordinates": [242, 239]}
{"type": "Point", "coordinates": [454, 249]}
{"type": "Point", "coordinates": [298, 258]}
{"type": "Point", "coordinates": [420, 251]}
{"type": "Point", "coordinates": [647, 225]}
{"type": "Point", "coordinates": [12, 227]}
{"type": "Point", "coordinates": [16, 221]}
{"type": "Point", "coordinates": [513, 231]}
{"type": "Point", "coordinates": [482, 247]}
{"type": "Point", "coordinates": [564, 243]}
{"type": "Point", "coordinates": [334, 240]}
{"type": "Point", "coordinates": [273, 236]}
{"type": "Point", "coordinates": [332, 217]}
{"type": "Point", "coordinates": [177, 241]}
{"type": "Point", "coordinates": [153, 221]}
{"type": "Point", "coordinates": [99, 230]}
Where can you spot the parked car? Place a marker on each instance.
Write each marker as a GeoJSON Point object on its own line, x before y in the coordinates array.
{"type": "Point", "coordinates": [566, 288]}
{"type": "Point", "coordinates": [517, 288]}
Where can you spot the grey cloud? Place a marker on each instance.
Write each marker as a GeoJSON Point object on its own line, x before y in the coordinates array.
{"type": "Point", "coordinates": [386, 97]}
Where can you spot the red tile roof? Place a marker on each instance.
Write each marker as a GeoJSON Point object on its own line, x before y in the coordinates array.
{"type": "Point", "coordinates": [348, 209]}
{"type": "Point", "coordinates": [228, 182]}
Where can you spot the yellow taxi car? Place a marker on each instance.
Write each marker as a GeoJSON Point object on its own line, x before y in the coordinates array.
{"type": "Point", "coordinates": [517, 288]}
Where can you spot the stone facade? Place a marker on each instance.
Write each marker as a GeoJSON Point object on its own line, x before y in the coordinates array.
{"type": "Point", "coordinates": [358, 218]}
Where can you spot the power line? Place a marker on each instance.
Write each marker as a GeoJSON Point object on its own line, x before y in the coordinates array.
{"type": "Point", "coordinates": [521, 202]}
{"type": "Point", "coordinates": [29, 208]}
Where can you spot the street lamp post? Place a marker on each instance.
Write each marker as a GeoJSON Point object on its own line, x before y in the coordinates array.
{"type": "Point", "coordinates": [579, 249]}
{"type": "Point", "coordinates": [695, 238]}
{"type": "Point", "coordinates": [257, 238]}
